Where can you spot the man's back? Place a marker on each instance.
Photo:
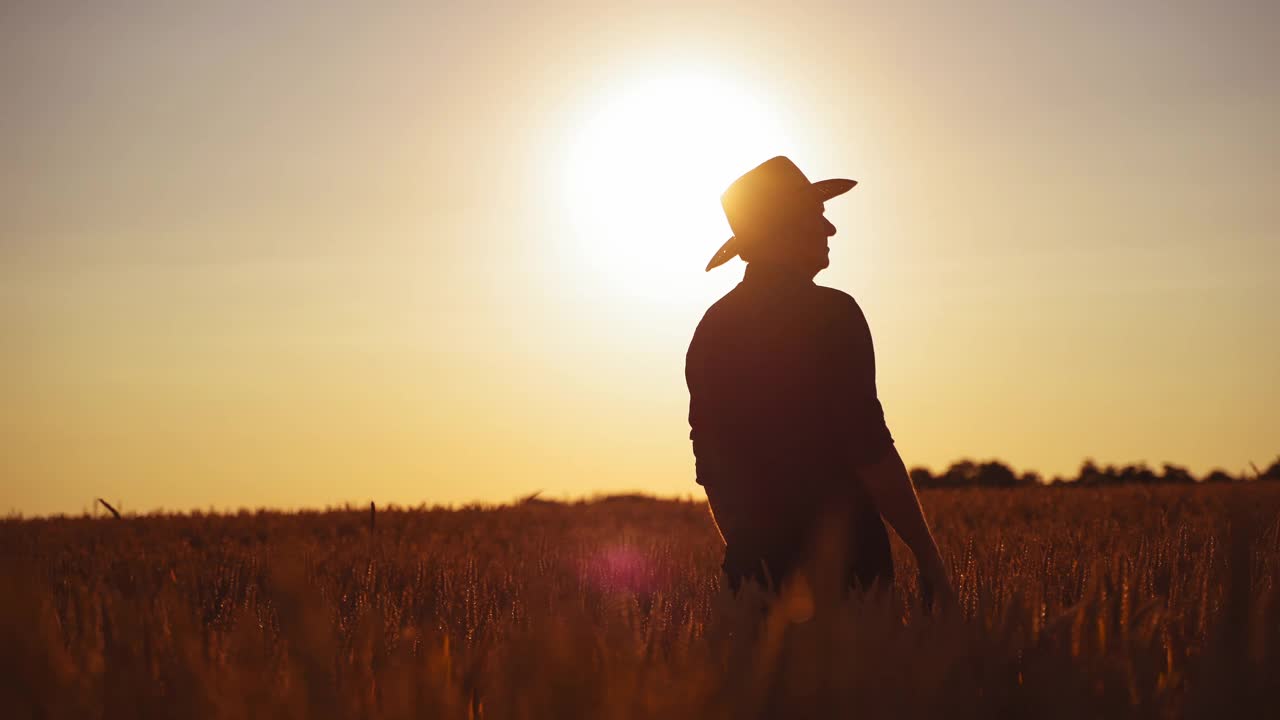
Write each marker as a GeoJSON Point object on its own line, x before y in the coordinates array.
{"type": "Point", "coordinates": [783, 407]}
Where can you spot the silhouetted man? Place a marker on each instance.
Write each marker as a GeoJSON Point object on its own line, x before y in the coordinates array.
{"type": "Point", "coordinates": [787, 430]}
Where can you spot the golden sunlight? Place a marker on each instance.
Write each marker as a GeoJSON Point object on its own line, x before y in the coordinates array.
{"type": "Point", "coordinates": [645, 170]}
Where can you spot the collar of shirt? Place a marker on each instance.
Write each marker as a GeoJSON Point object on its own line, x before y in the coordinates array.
{"type": "Point", "coordinates": [763, 275]}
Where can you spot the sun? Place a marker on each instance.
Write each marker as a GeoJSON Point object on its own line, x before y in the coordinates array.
{"type": "Point", "coordinates": [645, 170]}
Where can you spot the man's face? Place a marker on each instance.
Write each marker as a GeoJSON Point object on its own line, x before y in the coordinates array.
{"type": "Point", "coordinates": [797, 239]}
{"type": "Point", "coordinates": [808, 246]}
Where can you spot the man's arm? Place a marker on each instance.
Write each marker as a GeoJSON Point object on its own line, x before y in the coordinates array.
{"type": "Point", "coordinates": [895, 496]}
{"type": "Point", "coordinates": [874, 456]}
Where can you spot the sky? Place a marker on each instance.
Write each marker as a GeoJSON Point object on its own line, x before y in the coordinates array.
{"type": "Point", "coordinates": [300, 254]}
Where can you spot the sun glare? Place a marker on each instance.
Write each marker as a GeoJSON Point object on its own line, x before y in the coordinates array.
{"type": "Point", "coordinates": [645, 172]}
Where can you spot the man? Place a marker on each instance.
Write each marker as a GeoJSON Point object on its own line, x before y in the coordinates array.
{"type": "Point", "coordinates": [788, 433]}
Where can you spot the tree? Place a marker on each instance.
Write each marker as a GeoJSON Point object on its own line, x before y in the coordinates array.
{"type": "Point", "coordinates": [922, 478]}
{"type": "Point", "coordinates": [1176, 474]}
{"type": "Point", "coordinates": [960, 474]}
{"type": "Point", "coordinates": [1271, 473]}
{"type": "Point", "coordinates": [995, 474]}
{"type": "Point", "coordinates": [1139, 473]}
{"type": "Point", "coordinates": [1090, 474]}
{"type": "Point", "coordinates": [1218, 476]}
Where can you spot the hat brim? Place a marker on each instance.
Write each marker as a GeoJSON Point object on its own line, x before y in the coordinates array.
{"type": "Point", "coordinates": [827, 189]}
{"type": "Point", "coordinates": [823, 190]}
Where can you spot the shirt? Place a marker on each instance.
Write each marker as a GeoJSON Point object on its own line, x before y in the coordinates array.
{"type": "Point", "coordinates": [783, 408]}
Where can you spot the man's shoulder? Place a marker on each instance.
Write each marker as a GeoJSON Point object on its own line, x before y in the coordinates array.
{"type": "Point", "coordinates": [714, 319]}
{"type": "Point", "coordinates": [828, 301]}
{"type": "Point", "coordinates": [840, 303]}
{"type": "Point", "coordinates": [729, 304]}
{"type": "Point", "coordinates": [835, 296]}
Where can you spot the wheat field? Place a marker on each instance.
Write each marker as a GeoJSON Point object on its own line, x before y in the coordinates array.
{"type": "Point", "coordinates": [1075, 602]}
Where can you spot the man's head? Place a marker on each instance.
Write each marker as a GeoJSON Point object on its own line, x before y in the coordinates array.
{"type": "Point", "coordinates": [777, 217]}
{"type": "Point", "coordinates": [798, 242]}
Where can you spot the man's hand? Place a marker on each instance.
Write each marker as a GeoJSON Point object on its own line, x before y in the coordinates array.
{"type": "Point", "coordinates": [896, 499]}
{"type": "Point", "coordinates": [935, 589]}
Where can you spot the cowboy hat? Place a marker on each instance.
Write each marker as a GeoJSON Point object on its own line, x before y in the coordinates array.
{"type": "Point", "coordinates": [760, 195]}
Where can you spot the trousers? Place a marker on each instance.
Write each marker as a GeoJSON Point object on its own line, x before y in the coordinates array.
{"type": "Point", "coordinates": [867, 558]}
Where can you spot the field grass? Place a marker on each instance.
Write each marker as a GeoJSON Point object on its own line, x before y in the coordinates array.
{"type": "Point", "coordinates": [1077, 602]}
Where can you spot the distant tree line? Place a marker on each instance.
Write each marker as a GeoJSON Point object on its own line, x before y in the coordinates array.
{"type": "Point", "coordinates": [993, 473]}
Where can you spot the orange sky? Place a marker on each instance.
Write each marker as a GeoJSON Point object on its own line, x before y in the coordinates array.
{"type": "Point", "coordinates": [310, 253]}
